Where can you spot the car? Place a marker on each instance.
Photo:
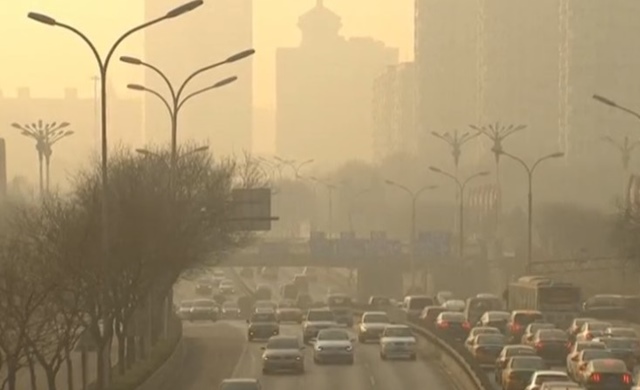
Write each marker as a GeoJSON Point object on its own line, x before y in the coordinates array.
{"type": "Point", "coordinates": [576, 325]}
{"type": "Point", "coordinates": [263, 292]}
{"type": "Point", "coordinates": [414, 304]}
{"type": "Point", "coordinates": [302, 282]}
{"type": "Point", "coordinates": [578, 347]}
{"type": "Point", "coordinates": [377, 302]}
{"type": "Point", "coordinates": [269, 273]}
{"type": "Point", "coordinates": [561, 386]}
{"type": "Point", "coordinates": [591, 330]}
{"type": "Point", "coordinates": [341, 305]}
{"type": "Point", "coordinates": [262, 326]}
{"type": "Point", "coordinates": [204, 287]}
{"type": "Point", "coordinates": [289, 314]}
{"type": "Point", "coordinates": [453, 324]}
{"type": "Point", "coordinates": [304, 301]}
{"type": "Point", "coordinates": [476, 306]}
{"type": "Point", "coordinates": [333, 345]}
{"type": "Point", "coordinates": [542, 376]}
{"type": "Point", "coordinates": [246, 272]}
{"type": "Point", "coordinates": [398, 341]}
{"type": "Point", "coordinates": [230, 310]}
{"type": "Point", "coordinates": [443, 296]}
{"type": "Point", "coordinates": [315, 321]}
{"type": "Point", "coordinates": [509, 351]}
{"type": "Point", "coordinates": [518, 371]}
{"type": "Point", "coordinates": [226, 287]}
{"type": "Point", "coordinates": [620, 332]}
{"type": "Point", "coordinates": [480, 330]}
{"type": "Point", "coordinates": [310, 273]}
{"type": "Point", "coordinates": [519, 321]}
{"type": "Point", "coordinates": [184, 309]}
{"type": "Point", "coordinates": [552, 345]}
{"type": "Point", "coordinates": [430, 314]}
{"type": "Point", "coordinates": [240, 384]}
{"type": "Point", "coordinates": [579, 363]}
{"type": "Point", "coordinates": [289, 291]}
{"type": "Point", "coordinates": [495, 319]}
{"type": "Point", "coordinates": [204, 309]}
{"type": "Point", "coordinates": [454, 305]}
{"type": "Point", "coordinates": [606, 374]}
{"type": "Point", "coordinates": [622, 348]}
{"type": "Point", "coordinates": [531, 330]}
{"type": "Point", "coordinates": [265, 306]}
{"type": "Point", "coordinates": [486, 348]}
{"type": "Point", "coordinates": [283, 353]}
{"type": "Point", "coordinates": [372, 324]}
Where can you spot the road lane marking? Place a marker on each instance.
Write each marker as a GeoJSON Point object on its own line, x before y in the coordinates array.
{"type": "Point", "coordinates": [238, 365]}
{"type": "Point", "coordinates": [372, 380]}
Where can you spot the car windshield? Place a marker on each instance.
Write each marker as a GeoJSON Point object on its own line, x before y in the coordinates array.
{"type": "Point", "coordinates": [601, 326]}
{"type": "Point", "coordinates": [266, 304]}
{"type": "Point", "coordinates": [419, 303]}
{"type": "Point", "coordinates": [333, 335]}
{"type": "Point", "coordinates": [380, 301]}
{"type": "Point", "coordinates": [204, 304]}
{"type": "Point", "coordinates": [498, 316]}
{"type": "Point", "coordinates": [490, 339]}
{"type": "Point", "coordinates": [590, 345]}
{"type": "Point", "coordinates": [375, 318]}
{"type": "Point", "coordinates": [578, 322]}
{"type": "Point", "coordinates": [230, 305]}
{"type": "Point", "coordinates": [320, 315]}
{"type": "Point", "coordinates": [552, 334]}
{"type": "Point", "coordinates": [533, 363]}
{"type": "Point", "coordinates": [520, 350]}
{"type": "Point", "coordinates": [283, 343]}
{"type": "Point", "coordinates": [398, 332]}
{"type": "Point", "coordinates": [186, 304]}
{"type": "Point", "coordinates": [540, 379]}
{"type": "Point", "coordinates": [619, 343]}
{"type": "Point", "coordinates": [239, 386]}
{"type": "Point", "coordinates": [533, 328]}
{"type": "Point", "coordinates": [477, 331]}
{"type": "Point", "coordinates": [591, 354]}
{"type": "Point", "coordinates": [263, 317]}
{"type": "Point", "coordinates": [452, 317]}
{"type": "Point", "coordinates": [623, 332]}
{"type": "Point", "coordinates": [608, 365]}
{"type": "Point", "coordinates": [527, 318]}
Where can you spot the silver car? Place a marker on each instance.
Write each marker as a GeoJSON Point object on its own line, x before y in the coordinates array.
{"type": "Point", "coordinates": [372, 323]}
{"type": "Point", "coordinates": [230, 310]}
{"type": "Point", "coordinates": [315, 321]}
{"type": "Point", "coordinates": [283, 353]}
{"type": "Point", "coordinates": [333, 345]}
{"type": "Point", "coordinates": [397, 341]}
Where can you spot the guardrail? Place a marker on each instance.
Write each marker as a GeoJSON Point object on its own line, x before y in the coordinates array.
{"type": "Point", "coordinates": [458, 361]}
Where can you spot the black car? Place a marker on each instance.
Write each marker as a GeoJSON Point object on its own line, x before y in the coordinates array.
{"type": "Point", "coordinates": [262, 326]}
{"type": "Point", "coordinates": [453, 324]}
{"type": "Point", "coordinates": [552, 345]}
{"type": "Point", "coordinates": [203, 309]}
{"type": "Point", "coordinates": [204, 288]}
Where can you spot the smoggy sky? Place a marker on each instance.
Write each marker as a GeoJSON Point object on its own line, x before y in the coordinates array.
{"type": "Point", "coordinates": [49, 59]}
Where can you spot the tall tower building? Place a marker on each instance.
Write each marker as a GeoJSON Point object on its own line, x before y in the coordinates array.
{"type": "Point", "coordinates": [324, 91]}
{"type": "Point", "coordinates": [218, 29]}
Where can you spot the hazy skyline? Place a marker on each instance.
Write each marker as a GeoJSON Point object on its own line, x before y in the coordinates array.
{"type": "Point", "coordinates": [47, 59]}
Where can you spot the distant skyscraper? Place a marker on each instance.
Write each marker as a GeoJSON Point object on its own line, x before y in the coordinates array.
{"type": "Point", "coordinates": [210, 34]}
{"type": "Point", "coordinates": [324, 91]}
{"type": "Point", "coordinates": [394, 122]}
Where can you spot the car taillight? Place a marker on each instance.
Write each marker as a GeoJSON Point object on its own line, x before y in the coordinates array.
{"type": "Point", "coordinates": [589, 336]}
{"type": "Point", "coordinates": [626, 379]}
{"type": "Point", "coordinates": [443, 324]}
{"type": "Point", "coordinates": [466, 325]}
{"type": "Point", "coordinates": [515, 327]}
{"type": "Point", "coordinates": [594, 378]}
{"type": "Point", "coordinates": [568, 345]}
{"type": "Point", "coordinates": [539, 345]}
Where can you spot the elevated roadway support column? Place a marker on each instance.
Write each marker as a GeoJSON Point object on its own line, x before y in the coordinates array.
{"type": "Point", "coordinates": [379, 278]}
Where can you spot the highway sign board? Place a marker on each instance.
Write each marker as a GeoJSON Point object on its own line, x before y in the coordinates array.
{"type": "Point", "coordinates": [434, 244]}
{"type": "Point", "coordinates": [350, 247]}
{"type": "Point", "coordinates": [251, 209]}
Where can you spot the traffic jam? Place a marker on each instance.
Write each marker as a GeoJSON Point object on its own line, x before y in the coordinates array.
{"type": "Point", "coordinates": [540, 335]}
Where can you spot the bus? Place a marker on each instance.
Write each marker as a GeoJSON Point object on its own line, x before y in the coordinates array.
{"type": "Point", "coordinates": [559, 302]}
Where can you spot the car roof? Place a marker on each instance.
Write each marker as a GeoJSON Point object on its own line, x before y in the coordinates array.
{"type": "Point", "coordinates": [240, 380]}
{"type": "Point", "coordinates": [284, 337]}
{"type": "Point", "coordinates": [550, 372]}
{"type": "Point", "coordinates": [343, 330]}
{"type": "Point", "coordinates": [374, 312]}
{"type": "Point", "coordinates": [397, 326]}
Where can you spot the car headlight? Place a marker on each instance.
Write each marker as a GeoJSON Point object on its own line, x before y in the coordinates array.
{"type": "Point", "coordinates": [298, 357]}
{"type": "Point", "coordinates": [349, 348]}
{"type": "Point", "coordinates": [319, 348]}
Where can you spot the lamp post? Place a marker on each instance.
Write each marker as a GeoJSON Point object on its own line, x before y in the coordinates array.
{"type": "Point", "coordinates": [415, 195]}
{"type": "Point", "coordinates": [613, 104]}
{"type": "Point", "coordinates": [461, 187]}
{"type": "Point", "coordinates": [294, 165]}
{"type": "Point", "coordinates": [45, 135]}
{"type": "Point", "coordinates": [455, 142]}
{"type": "Point", "coordinates": [530, 169]}
{"type": "Point", "coordinates": [330, 188]}
{"type": "Point", "coordinates": [176, 95]}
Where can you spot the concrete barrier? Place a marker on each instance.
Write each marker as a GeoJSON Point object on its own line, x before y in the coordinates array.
{"type": "Point", "coordinates": [167, 370]}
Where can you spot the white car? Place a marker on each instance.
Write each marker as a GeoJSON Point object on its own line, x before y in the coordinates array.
{"type": "Point", "coordinates": [372, 324]}
{"type": "Point", "coordinates": [315, 321]}
{"type": "Point", "coordinates": [397, 341]}
{"type": "Point", "coordinates": [543, 376]}
{"type": "Point", "coordinates": [455, 305]}
{"type": "Point", "coordinates": [333, 345]}
{"type": "Point", "coordinates": [226, 287]}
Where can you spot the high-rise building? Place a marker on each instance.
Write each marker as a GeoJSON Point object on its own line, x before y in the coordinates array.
{"type": "Point", "coordinates": [213, 32]}
{"type": "Point", "coordinates": [394, 120]}
{"type": "Point", "coordinates": [324, 91]}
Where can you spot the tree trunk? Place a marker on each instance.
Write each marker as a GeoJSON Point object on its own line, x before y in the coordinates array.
{"type": "Point", "coordinates": [51, 377]}
{"type": "Point", "coordinates": [12, 369]}
{"type": "Point", "coordinates": [100, 371]}
{"type": "Point", "coordinates": [122, 345]}
{"type": "Point", "coordinates": [69, 365]}
{"type": "Point", "coordinates": [131, 351]}
{"type": "Point", "coordinates": [32, 371]}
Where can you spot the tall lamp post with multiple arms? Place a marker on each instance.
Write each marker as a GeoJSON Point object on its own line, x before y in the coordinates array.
{"type": "Point", "coordinates": [45, 135]}
{"type": "Point", "coordinates": [330, 189]}
{"type": "Point", "coordinates": [294, 165]}
{"type": "Point", "coordinates": [415, 195]}
{"type": "Point", "coordinates": [455, 141]}
{"type": "Point", "coordinates": [177, 98]}
{"type": "Point", "coordinates": [530, 169]}
{"type": "Point", "coordinates": [461, 187]}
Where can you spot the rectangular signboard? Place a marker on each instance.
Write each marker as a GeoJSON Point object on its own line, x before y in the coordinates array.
{"type": "Point", "coordinates": [435, 244]}
{"type": "Point", "coordinates": [251, 209]}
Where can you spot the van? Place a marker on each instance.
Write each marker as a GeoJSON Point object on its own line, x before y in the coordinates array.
{"type": "Point", "coordinates": [414, 304]}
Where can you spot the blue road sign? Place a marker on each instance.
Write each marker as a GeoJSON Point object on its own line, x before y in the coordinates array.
{"type": "Point", "coordinates": [434, 244]}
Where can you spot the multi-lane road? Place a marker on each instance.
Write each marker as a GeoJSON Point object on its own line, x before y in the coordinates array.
{"type": "Point", "coordinates": [216, 350]}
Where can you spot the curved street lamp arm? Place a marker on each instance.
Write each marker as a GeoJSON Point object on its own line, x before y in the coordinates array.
{"type": "Point", "coordinates": [193, 75]}
{"type": "Point", "coordinates": [400, 186]}
{"type": "Point", "coordinates": [466, 137]}
{"type": "Point", "coordinates": [162, 98]}
{"type": "Point", "coordinates": [441, 136]}
{"type": "Point", "coordinates": [164, 78]}
{"type": "Point", "coordinates": [512, 130]}
{"type": "Point", "coordinates": [475, 175]}
{"type": "Point", "coordinates": [124, 36]}
{"type": "Point", "coordinates": [192, 95]}
{"type": "Point", "coordinates": [423, 189]}
{"type": "Point", "coordinates": [543, 158]}
{"type": "Point", "coordinates": [86, 40]}
{"type": "Point", "coordinates": [450, 176]}
{"type": "Point", "coordinates": [519, 160]}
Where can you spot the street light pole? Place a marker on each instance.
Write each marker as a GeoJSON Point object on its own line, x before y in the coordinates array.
{"type": "Point", "coordinates": [45, 135]}
{"type": "Point", "coordinates": [461, 187]}
{"type": "Point", "coordinates": [148, 153]}
{"type": "Point", "coordinates": [626, 148]}
{"type": "Point", "coordinates": [530, 169]}
{"type": "Point", "coordinates": [176, 99]}
{"type": "Point", "coordinates": [455, 141]}
{"type": "Point", "coordinates": [414, 195]}
{"type": "Point", "coordinates": [330, 188]}
{"type": "Point", "coordinates": [294, 165]}
{"type": "Point", "coordinates": [611, 103]}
